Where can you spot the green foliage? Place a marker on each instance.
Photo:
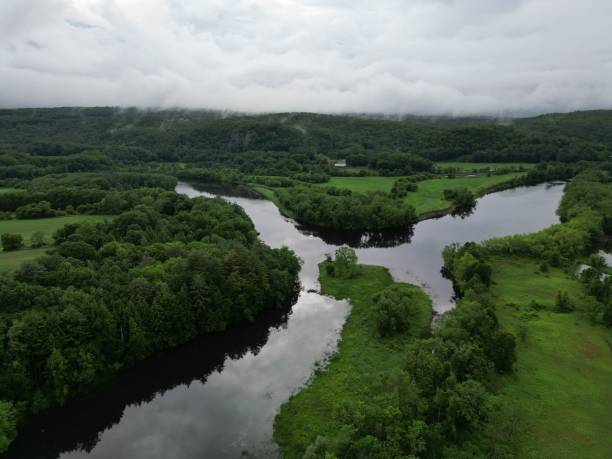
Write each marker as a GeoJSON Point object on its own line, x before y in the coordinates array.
{"type": "Point", "coordinates": [563, 303]}
{"type": "Point", "coordinates": [95, 138]}
{"type": "Point", "coordinates": [8, 425]}
{"type": "Point", "coordinates": [561, 404]}
{"type": "Point", "coordinates": [561, 383]}
{"type": "Point", "coordinates": [433, 394]}
{"type": "Point", "coordinates": [345, 263]}
{"type": "Point", "coordinates": [357, 404]}
{"type": "Point", "coordinates": [462, 199]}
{"type": "Point", "coordinates": [394, 309]}
{"type": "Point", "coordinates": [388, 162]}
{"type": "Point", "coordinates": [37, 240]}
{"type": "Point", "coordinates": [40, 209]}
{"type": "Point", "coordinates": [354, 211]}
{"type": "Point", "coordinates": [402, 187]}
{"type": "Point", "coordinates": [11, 241]}
{"type": "Point", "coordinates": [111, 293]}
{"type": "Point", "coordinates": [429, 196]}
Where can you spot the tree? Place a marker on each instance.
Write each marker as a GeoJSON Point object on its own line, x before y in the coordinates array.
{"type": "Point", "coordinates": [8, 425]}
{"type": "Point", "coordinates": [345, 265]}
{"type": "Point", "coordinates": [11, 241]}
{"type": "Point", "coordinates": [563, 302]}
{"type": "Point", "coordinates": [503, 351]}
{"type": "Point", "coordinates": [38, 240]}
{"type": "Point", "coordinates": [395, 308]}
{"type": "Point", "coordinates": [467, 406]}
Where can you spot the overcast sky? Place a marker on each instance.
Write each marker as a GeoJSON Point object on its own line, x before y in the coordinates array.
{"type": "Point", "coordinates": [496, 57]}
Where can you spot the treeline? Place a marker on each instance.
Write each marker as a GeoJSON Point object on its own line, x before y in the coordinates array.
{"type": "Point", "coordinates": [585, 210]}
{"type": "Point", "coordinates": [109, 294]}
{"type": "Point", "coordinates": [23, 166]}
{"type": "Point", "coordinates": [68, 140]}
{"type": "Point", "coordinates": [387, 162]}
{"type": "Point", "coordinates": [342, 209]}
{"type": "Point", "coordinates": [91, 193]}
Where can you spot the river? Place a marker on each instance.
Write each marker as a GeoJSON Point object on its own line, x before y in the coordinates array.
{"type": "Point", "coordinates": [217, 396]}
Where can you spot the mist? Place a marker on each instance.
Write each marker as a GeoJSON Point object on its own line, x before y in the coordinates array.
{"type": "Point", "coordinates": [424, 57]}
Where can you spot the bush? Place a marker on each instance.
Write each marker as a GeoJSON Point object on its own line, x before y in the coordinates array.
{"type": "Point", "coordinates": [345, 264]}
{"type": "Point", "coordinates": [395, 308]}
{"type": "Point", "coordinates": [563, 302]}
{"type": "Point", "coordinates": [38, 240]}
{"type": "Point", "coordinates": [40, 209]}
{"type": "Point", "coordinates": [12, 241]}
{"type": "Point", "coordinates": [590, 309]}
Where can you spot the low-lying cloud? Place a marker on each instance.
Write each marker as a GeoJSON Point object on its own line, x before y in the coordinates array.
{"type": "Point", "coordinates": [496, 57]}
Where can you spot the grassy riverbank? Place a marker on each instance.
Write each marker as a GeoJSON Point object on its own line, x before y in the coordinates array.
{"type": "Point", "coordinates": [361, 358]}
{"type": "Point", "coordinates": [428, 200]}
{"type": "Point", "coordinates": [430, 195]}
{"type": "Point", "coordinates": [563, 371]}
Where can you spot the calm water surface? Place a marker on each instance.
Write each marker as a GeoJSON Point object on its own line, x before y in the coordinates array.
{"type": "Point", "coordinates": [217, 396]}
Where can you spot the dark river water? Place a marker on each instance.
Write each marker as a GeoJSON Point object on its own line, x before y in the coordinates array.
{"type": "Point", "coordinates": [217, 396]}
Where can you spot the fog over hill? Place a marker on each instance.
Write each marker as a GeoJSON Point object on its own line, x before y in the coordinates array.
{"type": "Point", "coordinates": [436, 57]}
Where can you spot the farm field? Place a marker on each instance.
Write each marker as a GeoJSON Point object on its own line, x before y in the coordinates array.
{"type": "Point", "coordinates": [47, 226]}
{"type": "Point", "coordinates": [430, 195]}
{"type": "Point", "coordinates": [561, 382]}
{"type": "Point", "coordinates": [9, 261]}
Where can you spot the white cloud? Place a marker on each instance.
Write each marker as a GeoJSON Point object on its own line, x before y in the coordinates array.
{"type": "Point", "coordinates": [409, 56]}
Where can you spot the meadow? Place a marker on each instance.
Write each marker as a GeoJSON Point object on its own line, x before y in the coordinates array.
{"type": "Point", "coordinates": [47, 226]}
{"type": "Point", "coordinates": [561, 382]}
{"type": "Point", "coordinates": [430, 195]}
{"type": "Point", "coordinates": [470, 167]}
{"type": "Point", "coordinates": [362, 357]}
{"type": "Point", "coordinates": [10, 261]}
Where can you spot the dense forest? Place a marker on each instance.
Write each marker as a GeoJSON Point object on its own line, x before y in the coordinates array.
{"type": "Point", "coordinates": [77, 139]}
{"type": "Point", "coordinates": [158, 268]}
{"type": "Point", "coordinates": [343, 209]}
{"type": "Point", "coordinates": [162, 270]}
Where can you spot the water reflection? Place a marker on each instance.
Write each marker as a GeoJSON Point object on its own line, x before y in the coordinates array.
{"type": "Point", "coordinates": [217, 396]}
{"type": "Point", "coordinates": [152, 378]}
{"type": "Point", "coordinates": [359, 239]}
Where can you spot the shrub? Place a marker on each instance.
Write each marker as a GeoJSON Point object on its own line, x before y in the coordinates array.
{"type": "Point", "coordinates": [345, 264]}
{"type": "Point", "coordinates": [40, 209]}
{"type": "Point", "coordinates": [11, 241]}
{"type": "Point", "coordinates": [394, 309]}
{"type": "Point", "coordinates": [38, 240]}
{"type": "Point", "coordinates": [563, 303]}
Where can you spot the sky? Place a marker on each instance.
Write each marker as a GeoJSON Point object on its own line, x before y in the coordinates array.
{"type": "Point", "coordinates": [424, 57]}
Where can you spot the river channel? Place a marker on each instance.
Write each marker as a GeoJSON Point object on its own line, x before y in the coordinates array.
{"type": "Point", "coordinates": [217, 396]}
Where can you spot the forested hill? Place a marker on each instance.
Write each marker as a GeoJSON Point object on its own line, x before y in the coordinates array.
{"type": "Point", "coordinates": [173, 135]}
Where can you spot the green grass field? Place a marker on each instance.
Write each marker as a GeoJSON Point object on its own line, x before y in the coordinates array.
{"type": "Point", "coordinates": [469, 167]}
{"type": "Point", "coordinates": [45, 225]}
{"type": "Point", "coordinates": [429, 197]}
{"type": "Point", "coordinates": [9, 261]}
{"type": "Point", "coordinates": [362, 356]}
{"type": "Point", "coordinates": [7, 190]}
{"type": "Point", "coordinates": [563, 375]}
